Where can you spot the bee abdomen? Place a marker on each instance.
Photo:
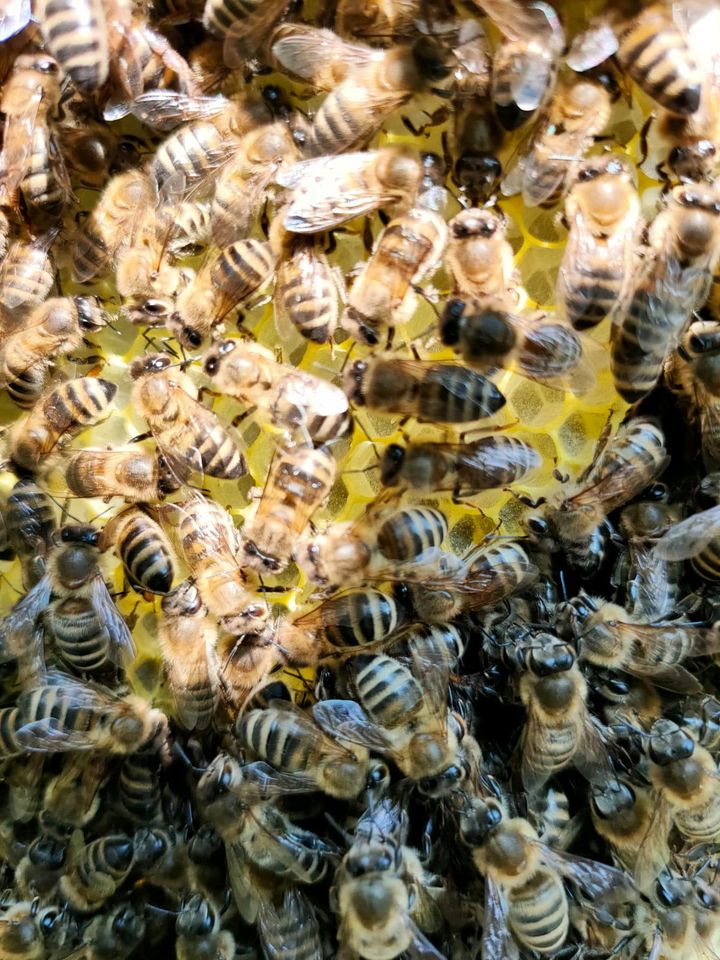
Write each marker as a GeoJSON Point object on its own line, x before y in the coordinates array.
{"type": "Point", "coordinates": [309, 299]}
{"type": "Point", "coordinates": [196, 149]}
{"type": "Point", "coordinates": [452, 394]}
{"type": "Point", "coordinates": [139, 787]}
{"type": "Point", "coordinates": [27, 386]}
{"type": "Point", "coordinates": [591, 293]}
{"type": "Point", "coordinates": [30, 516]}
{"type": "Point", "coordinates": [702, 827]}
{"type": "Point", "coordinates": [275, 741]}
{"type": "Point", "coordinates": [362, 618]}
{"type": "Point", "coordinates": [539, 913]}
{"type": "Point", "coordinates": [146, 555]}
{"type": "Point", "coordinates": [386, 689]}
{"type": "Point", "coordinates": [219, 456]}
{"type": "Point", "coordinates": [243, 266]}
{"type": "Point", "coordinates": [79, 636]}
{"type": "Point", "coordinates": [707, 563]}
{"type": "Point", "coordinates": [339, 124]}
{"type": "Point", "coordinates": [40, 186]}
{"type": "Point", "coordinates": [220, 16]}
{"type": "Point", "coordinates": [411, 532]}
{"type": "Point", "coordinates": [75, 32]}
{"type": "Point", "coordinates": [9, 722]}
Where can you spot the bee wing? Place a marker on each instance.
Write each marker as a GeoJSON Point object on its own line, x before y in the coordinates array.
{"type": "Point", "coordinates": [311, 730]}
{"type": "Point", "coordinates": [249, 33]}
{"type": "Point", "coordinates": [591, 47]}
{"type": "Point", "coordinates": [262, 782]}
{"type": "Point", "coordinates": [434, 677]}
{"type": "Point", "coordinates": [48, 735]}
{"type": "Point", "coordinates": [596, 879]}
{"type": "Point", "coordinates": [166, 109]}
{"type": "Point", "coordinates": [346, 720]}
{"type": "Point", "coordinates": [688, 537]}
{"type": "Point", "coordinates": [518, 21]}
{"type": "Point", "coordinates": [18, 633]}
{"type": "Point", "coordinates": [645, 640]}
{"type": "Point", "coordinates": [512, 182]}
{"type": "Point", "coordinates": [591, 757]}
{"type": "Point", "coordinates": [498, 942]}
{"type": "Point", "coordinates": [673, 293]}
{"type": "Point", "coordinates": [14, 18]}
{"type": "Point", "coordinates": [295, 918]}
{"type": "Point", "coordinates": [17, 146]}
{"type": "Point", "coordinates": [319, 55]}
{"type": "Point", "coordinates": [653, 853]}
{"type": "Point", "coordinates": [620, 485]}
{"type": "Point", "coordinates": [419, 946]}
{"type": "Point", "coordinates": [488, 586]}
{"type": "Point", "coordinates": [243, 890]}
{"type": "Point", "coordinates": [121, 642]}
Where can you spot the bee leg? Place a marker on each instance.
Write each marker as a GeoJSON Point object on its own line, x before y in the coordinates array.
{"type": "Point", "coordinates": [644, 130]}
{"type": "Point", "coordinates": [140, 437]}
{"type": "Point", "coordinates": [236, 421]}
{"type": "Point", "coordinates": [207, 392]}
{"type": "Point", "coordinates": [368, 239]}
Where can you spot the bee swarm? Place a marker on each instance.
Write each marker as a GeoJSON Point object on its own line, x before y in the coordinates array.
{"type": "Point", "coordinates": [359, 523]}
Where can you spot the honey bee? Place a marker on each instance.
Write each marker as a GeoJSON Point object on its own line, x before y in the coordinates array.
{"type": "Point", "coordinates": [328, 191]}
{"type": "Point", "coordinates": [479, 256]}
{"type": "Point", "coordinates": [137, 475]}
{"type": "Point", "coordinates": [239, 801]}
{"type": "Point", "coordinates": [608, 636]}
{"type": "Point", "coordinates": [290, 398]}
{"type": "Point", "coordinates": [700, 716]}
{"type": "Point", "coordinates": [486, 577]}
{"type": "Point", "coordinates": [395, 19]}
{"type": "Point", "coordinates": [685, 914]}
{"type": "Point", "coordinates": [653, 584]}
{"type": "Point", "coordinates": [29, 931]}
{"type": "Point", "coordinates": [684, 778]}
{"type": "Point", "coordinates": [487, 334]}
{"type": "Point", "coordinates": [379, 543]}
{"type": "Point", "coordinates": [143, 548]}
{"type": "Point", "coordinates": [27, 274]}
{"type": "Point", "coordinates": [77, 36]}
{"type": "Point", "coordinates": [221, 285]}
{"type": "Point", "coordinates": [408, 250]}
{"type": "Point", "coordinates": [38, 872]}
{"type": "Point", "coordinates": [559, 731]}
{"type": "Point", "coordinates": [577, 113]}
{"type": "Point", "coordinates": [287, 738]}
{"type": "Point", "coordinates": [430, 392]}
{"type": "Point", "coordinates": [629, 703]}
{"type": "Point", "coordinates": [694, 370]}
{"type": "Point", "coordinates": [603, 213]}
{"type": "Point", "coordinates": [577, 525]}
{"type": "Point", "coordinates": [298, 483]}
{"type": "Point", "coordinates": [187, 638]}
{"type": "Point", "coordinates": [62, 713]}
{"type": "Point", "coordinates": [189, 435]}
{"type": "Point", "coordinates": [525, 63]}
{"type": "Point", "coordinates": [401, 711]}
{"type": "Point", "coordinates": [111, 225]}
{"type": "Point", "coordinates": [244, 29]}
{"type": "Point", "coordinates": [291, 927]}
{"type": "Point", "coordinates": [71, 799]}
{"type": "Point", "coordinates": [381, 890]}
{"type": "Point", "coordinates": [30, 97]}
{"type": "Point", "coordinates": [98, 869]}
{"type": "Point", "coordinates": [306, 287]}
{"type": "Point", "coordinates": [464, 468]}
{"type": "Point", "coordinates": [526, 904]}
{"type": "Point", "coordinates": [160, 854]}
{"type": "Point", "coordinates": [684, 249]}
{"type": "Point", "coordinates": [116, 933]}
{"type": "Point", "coordinates": [31, 521]}
{"type": "Point", "coordinates": [365, 84]}
{"type": "Point", "coordinates": [56, 417]}
{"type": "Point", "coordinates": [198, 931]}
{"type": "Point", "coordinates": [53, 329]}
{"type": "Point", "coordinates": [354, 618]}
{"type": "Point", "coordinates": [624, 815]}
{"type": "Point", "coordinates": [71, 605]}
{"type": "Point", "coordinates": [210, 546]}
{"type": "Point", "coordinates": [696, 539]}
{"type": "Point", "coordinates": [242, 186]}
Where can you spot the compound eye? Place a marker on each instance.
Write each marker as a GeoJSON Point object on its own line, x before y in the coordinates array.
{"type": "Point", "coordinates": [537, 526]}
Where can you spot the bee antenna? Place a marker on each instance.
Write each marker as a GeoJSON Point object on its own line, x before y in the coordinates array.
{"type": "Point", "coordinates": [180, 752]}
{"type": "Point", "coordinates": [347, 837]}
{"type": "Point", "coordinates": [161, 911]}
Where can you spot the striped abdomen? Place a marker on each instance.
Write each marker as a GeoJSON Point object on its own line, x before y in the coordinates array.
{"type": "Point", "coordinates": [139, 790]}
{"type": "Point", "coordinates": [80, 636]}
{"type": "Point", "coordinates": [700, 824]}
{"type": "Point", "coordinates": [386, 689]}
{"type": "Point", "coordinates": [306, 294]}
{"type": "Point", "coordinates": [411, 532]}
{"type": "Point", "coordinates": [41, 186]}
{"type": "Point", "coordinates": [26, 276]}
{"type": "Point", "coordinates": [145, 552]}
{"type": "Point", "coordinates": [538, 912]}
{"type": "Point", "coordinates": [195, 150]}
{"type": "Point", "coordinates": [78, 402]}
{"type": "Point", "coordinates": [242, 267]}
{"type": "Point", "coordinates": [590, 289]}
{"type": "Point", "coordinates": [549, 350]}
{"type": "Point", "coordinates": [359, 618]}
{"type": "Point", "coordinates": [707, 563]}
{"type": "Point", "coordinates": [658, 58]}
{"type": "Point", "coordinates": [343, 121]}
{"type": "Point", "coordinates": [278, 738]}
{"type": "Point", "coordinates": [495, 462]}
{"type": "Point", "coordinates": [29, 517]}
{"type": "Point", "coordinates": [76, 34]}
{"type": "Point", "coordinates": [640, 344]}
{"type": "Point", "coordinates": [221, 16]}
{"type": "Point", "coordinates": [452, 394]}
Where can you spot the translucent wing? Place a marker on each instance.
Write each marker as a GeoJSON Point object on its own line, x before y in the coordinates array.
{"type": "Point", "coordinates": [591, 47]}
{"type": "Point", "coordinates": [122, 645]}
{"type": "Point", "coordinates": [319, 55]}
{"type": "Point", "coordinates": [241, 885]}
{"type": "Point", "coordinates": [346, 720]}
{"type": "Point", "coordinates": [294, 919]}
{"type": "Point", "coordinates": [17, 630]}
{"type": "Point", "coordinates": [532, 81]}
{"type": "Point", "coordinates": [520, 21]}
{"type": "Point", "coordinates": [14, 18]}
{"type": "Point", "coordinates": [262, 782]}
{"type": "Point", "coordinates": [166, 109]}
{"type": "Point", "coordinates": [653, 853]}
{"type": "Point", "coordinates": [48, 735]}
{"type": "Point", "coordinates": [688, 537]}
{"type": "Point", "coordinates": [596, 879]}
{"type": "Point", "coordinates": [17, 145]}
{"type": "Point", "coordinates": [309, 729]}
{"type": "Point", "coordinates": [498, 942]}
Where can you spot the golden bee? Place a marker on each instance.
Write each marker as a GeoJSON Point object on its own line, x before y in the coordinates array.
{"type": "Point", "coordinates": [626, 465]}
{"type": "Point", "coordinates": [382, 297]}
{"type": "Point", "coordinates": [27, 274]}
{"type": "Point", "coordinates": [602, 210]}
{"type": "Point", "coordinates": [478, 255]}
{"type": "Point", "coordinates": [133, 473]}
{"type": "Point", "coordinates": [365, 84]}
{"type": "Point", "coordinates": [305, 405]}
{"type": "Point", "coordinates": [29, 931]}
{"type": "Point", "coordinates": [188, 434]}
{"type": "Point", "coordinates": [143, 548]}
{"type": "Point", "coordinates": [674, 280]}
{"type": "Point", "coordinates": [697, 539]}
{"type": "Point", "coordinates": [56, 418]}
{"type": "Point", "coordinates": [187, 639]}
{"type": "Point", "coordinates": [578, 113]}
{"type": "Point", "coordinates": [298, 483]}
{"type": "Point", "coordinates": [527, 904]}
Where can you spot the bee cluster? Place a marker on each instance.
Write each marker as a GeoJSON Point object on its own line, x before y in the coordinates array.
{"type": "Point", "coordinates": [348, 608]}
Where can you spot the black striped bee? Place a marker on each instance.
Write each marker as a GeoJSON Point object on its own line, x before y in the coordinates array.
{"type": "Point", "coordinates": [526, 905]}
{"type": "Point", "coordinates": [27, 273]}
{"type": "Point", "coordinates": [289, 927]}
{"type": "Point", "coordinates": [76, 34]}
{"type": "Point", "coordinates": [143, 547]}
